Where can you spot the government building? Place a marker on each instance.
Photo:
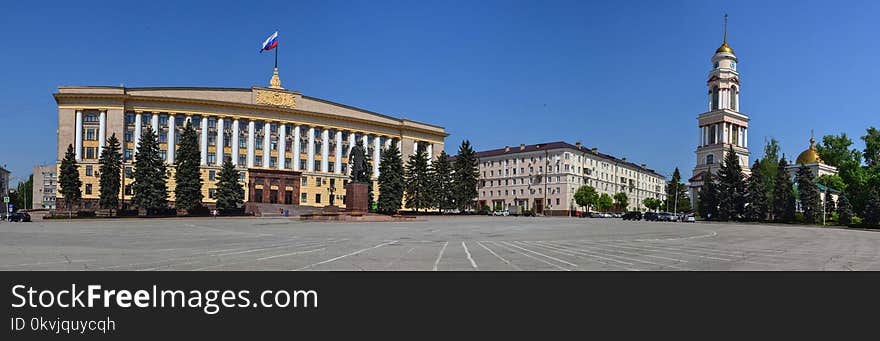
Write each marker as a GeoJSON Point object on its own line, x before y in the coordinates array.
{"type": "Point", "coordinates": [291, 149]}
{"type": "Point", "coordinates": [545, 176]}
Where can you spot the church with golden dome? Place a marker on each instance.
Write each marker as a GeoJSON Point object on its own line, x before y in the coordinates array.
{"type": "Point", "coordinates": [810, 158]}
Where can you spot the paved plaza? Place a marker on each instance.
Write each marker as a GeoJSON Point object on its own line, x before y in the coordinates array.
{"type": "Point", "coordinates": [431, 243]}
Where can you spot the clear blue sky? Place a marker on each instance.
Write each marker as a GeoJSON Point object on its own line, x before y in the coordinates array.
{"type": "Point", "coordinates": [627, 77]}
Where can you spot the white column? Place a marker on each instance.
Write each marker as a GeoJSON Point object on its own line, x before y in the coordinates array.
{"type": "Point", "coordinates": [219, 141]}
{"type": "Point", "coordinates": [387, 143]}
{"type": "Point", "coordinates": [267, 139]}
{"type": "Point", "coordinates": [204, 141]}
{"type": "Point", "coordinates": [376, 155]}
{"type": "Point", "coordinates": [235, 142]}
{"type": "Point", "coordinates": [310, 164]}
{"type": "Point", "coordinates": [351, 142]}
{"type": "Point", "coordinates": [398, 148]}
{"type": "Point", "coordinates": [78, 142]}
{"type": "Point", "coordinates": [171, 129]}
{"type": "Point", "coordinates": [325, 150]}
{"type": "Point", "coordinates": [102, 131]}
{"type": "Point", "coordinates": [746, 137]}
{"type": "Point", "coordinates": [138, 122]}
{"type": "Point", "coordinates": [338, 163]}
{"type": "Point", "coordinates": [250, 143]}
{"type": "Point", "coordinates": [296, 148]}
{"type": "Point", "coordinates": [155, 122]}
{"type": "Point", "coordinates": [415, 148]}
{"type": "Point", "coordinates": [365, 142]}
{"type": "Point", "coordinates": [430, 148]}
{"type": "Point", "coordinates": [282, 145]}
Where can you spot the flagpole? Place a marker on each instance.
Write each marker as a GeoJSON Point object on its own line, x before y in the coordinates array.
{"type": "Point", "coordinates": [276, 57]}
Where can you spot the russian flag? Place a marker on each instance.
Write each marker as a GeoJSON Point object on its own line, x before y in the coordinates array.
{"type": "Point", "coordinates": [270, 42]}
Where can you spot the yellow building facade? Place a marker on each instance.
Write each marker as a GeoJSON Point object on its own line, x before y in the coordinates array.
{"type": "Point", "coordinates": [290, 148]}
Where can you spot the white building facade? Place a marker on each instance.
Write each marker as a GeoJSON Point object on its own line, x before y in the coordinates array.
{"type": "Point", "coordinates": [544, 177]}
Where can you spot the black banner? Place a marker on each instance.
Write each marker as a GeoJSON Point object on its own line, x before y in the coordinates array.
{"type": "Point", "coordinates": [414, 305]}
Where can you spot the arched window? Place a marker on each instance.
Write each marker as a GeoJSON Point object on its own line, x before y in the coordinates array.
{"type": "Point", "coordinates": [733, 95]}
{"type": "Point", "coordinates": [715, 103]}
{"type": "Point", "coordinates": [710, 159]}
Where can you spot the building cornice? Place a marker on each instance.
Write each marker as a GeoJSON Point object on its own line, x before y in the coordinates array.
{"type": "Point", "coordinates": [123, 97]}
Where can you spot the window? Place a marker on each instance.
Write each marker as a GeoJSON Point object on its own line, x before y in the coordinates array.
{"type": "Point", "coordinates": [129, 118]}
{"type": "Point", "coordinates": [212, 139]}
{"type": "Point", "coordinates": [303, 198]}
{"type": "Point", "coordinates": [91, 118]}
{"type": "Point", "coordinates": [241, 160]}
{"type": "Point", "coordinates": [714, 105]}
{"type": "Point", "coordinates": [258, 143]}
{"type": "Point", "coordinates": [317, 164]}
{"type": "Point", "coordinates": [317, 198]}
{"type": "Point", "coordinates": [331, 167]}
{"type": "Point", "coordinates": [302, 164]}
{"type": "Point", "coordinates": [162, 154]}
{"type": "Point", "coordinates": [163, 120]}
{"type": "Point", "coordinates": [273, 161]}
{"type": "Point", "coordinates": [129, 136]}
{"type": "Point", "coordinates": [733, 96]}
{"type": "Point", "coordinates": [128, 172]}
{"type": "Point", "coordinates": [242, 143]}
{"type": "Point", "coordinates": [88, 188]}
{"type": "Point", "coordinates": [304, 181]}
{"type": "Point", "coordinates": [90, 135]}
{"type": "Point", "coordinates": [212, 175]}
{"type": "Point", "coordinates": [88, 170]}
{"type": "Point", "coordinates": [710, 159]}
{"type": "Point", "coordinates": [212, 193]}
{"type": "Point", "coordinates": [212, 158]}
{"type": "Point", "coordinates": [90, 153]}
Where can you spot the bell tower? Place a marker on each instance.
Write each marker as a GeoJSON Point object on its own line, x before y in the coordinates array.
{"type": "Point", "coordinates": [722, 125]}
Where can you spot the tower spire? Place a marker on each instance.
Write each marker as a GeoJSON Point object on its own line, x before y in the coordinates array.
{"type": "Point", "coordinates": [725, 28]}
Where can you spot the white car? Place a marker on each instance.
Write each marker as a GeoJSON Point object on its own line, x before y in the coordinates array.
{"type": "Point", "coordinates": [503, 213]}
{"type": "Point", "coordinates": [690, 219]}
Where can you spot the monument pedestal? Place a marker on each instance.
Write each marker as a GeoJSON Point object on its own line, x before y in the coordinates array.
{"type": "Point", "coordinates": [356, 197]}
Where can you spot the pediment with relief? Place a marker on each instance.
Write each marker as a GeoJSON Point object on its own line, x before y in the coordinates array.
{"type": "Point", "coordinates": [274, 98]}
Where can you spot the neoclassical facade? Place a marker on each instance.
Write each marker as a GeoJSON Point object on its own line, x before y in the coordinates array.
{"type": "Point", "coordinates": [723, 126]}
{"type": "Point", "coordinates": [290, 148]}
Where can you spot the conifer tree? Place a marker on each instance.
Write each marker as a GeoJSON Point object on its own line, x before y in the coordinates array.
{"type": "Point", "coordinates": [466, 175]}
{"type": "Point", "coordinates": [872, 210]}
{"type": "Point", "coordinates": [110, 163]}
{"type": "Point", "coordinates": [230, 192]}
{"type": "Point", "coordinates": [418, 191]}
{"type": "Point", "coordinates": [187, 175]}
{"type": "Point", "coordinates": [442, 182]}
{"type": "Point", "coordinates": [756, 196]}
{"type": "Point", "coordinates": [391, 180]}
{"type": "Point", "coordinates": [731, 188]}
{"type": "Point", "coordinates": [708, 197]}
{"type": "Point", "coordinates": [809, 195]}
{"type": "Point", "coordinates": [844, 210]}
{"type": "Point", "coordinates": [68, 179]}
{"type": "Point", "coordinates": [783, 196]}
{"type": "Point", "coordinates": [677, 189]}
{"type": "Point", "coordinates": [150, 191]}
{"type": "Point", "coordinates": [830, 205]}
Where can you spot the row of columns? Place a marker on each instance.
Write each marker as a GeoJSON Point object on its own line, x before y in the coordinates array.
{"type": "Point", "coordinates": [251, 141]}
{"type": "Point", "coordinates": [724, 132]}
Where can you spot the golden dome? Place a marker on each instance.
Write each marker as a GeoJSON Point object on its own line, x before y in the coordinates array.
{"type": "Point", "coordinates": [724, 48]}
{"type": "Point", "coordinates": [810, 155]}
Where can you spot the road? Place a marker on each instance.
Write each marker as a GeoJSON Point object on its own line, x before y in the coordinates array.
{"type": "Point", "coordinates": [475, 243]}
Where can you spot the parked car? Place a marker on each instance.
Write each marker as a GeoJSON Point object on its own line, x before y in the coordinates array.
{"type": "Point", "coordinates": [632, 215]}
{"type": "Point", "coordinates": [501, 213]}
{"type": "Point", "coordinates": [20, 217]}
{"type": "Point", "coordinates": [650, 216]}
{"type": "Point", "coordinates": [690, 218]}
{"type": "Point", "coordinates": [666, 216]}
{"type": "Point", "coordinates": [528, 213]}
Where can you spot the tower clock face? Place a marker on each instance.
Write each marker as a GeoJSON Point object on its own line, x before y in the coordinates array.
{"type": "Point", "coordinates": [733, 65]}
{"type": "Point", "coordinates": [715, 65]}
